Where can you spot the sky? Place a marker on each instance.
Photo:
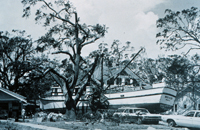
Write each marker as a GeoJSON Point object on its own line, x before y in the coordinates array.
{"type": "Point", "coordinates": [128, 20]}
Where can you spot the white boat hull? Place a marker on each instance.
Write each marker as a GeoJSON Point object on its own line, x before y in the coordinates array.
{"type": "Point", "coordinates": [155, 99]}
{"type": "Point", "coordinates": [149, 98]}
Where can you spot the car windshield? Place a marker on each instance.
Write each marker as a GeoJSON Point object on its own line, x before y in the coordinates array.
{"type": "Point", "coordinates": [141, 110]}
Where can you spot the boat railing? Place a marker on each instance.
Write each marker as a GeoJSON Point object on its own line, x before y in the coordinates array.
{"type": "Point", "coordinates": [125, 88]}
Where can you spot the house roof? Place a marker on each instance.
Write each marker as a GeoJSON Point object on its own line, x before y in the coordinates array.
{"type": "Point", "coordinates": [127, 71]}
{"type": "Point", "coordinates": [106, 73]}
{"type": "Point", "coordinates": [15, 95]}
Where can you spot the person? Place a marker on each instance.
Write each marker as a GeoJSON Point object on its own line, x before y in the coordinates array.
{"type": "Point", "coordinates": [23, 114]}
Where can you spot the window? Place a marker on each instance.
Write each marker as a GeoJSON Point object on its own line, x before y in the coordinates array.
{"type": "Point", "coordinates": [197, 114]}
{"type": "Point", "coordinates": [126, 111]}
{"type": "Point", "coordinates": [190, 114]}
{"type": "Point", "coordinates": [135, 83]}
{"type": "Point", "coordinates": [76, 90]}
{"type": "Point", "coordinates": [56, 91]}
{"type": "Point", "coordinates": [127, 81]}
{"type": "Point", "coordinates": [110, 81]}
{"type": "Point", "coordinates": [120, 110]}
{"type": "Point", "coordinates": [121, 95]}
{"type": "Point", "coordinates": [142, 110]}
{"type": "Point", "coordinates": [59, 90]}
{"type": "Point", "coordinates": [119, 81]}
{"type": "Point", "coordinates": [175, 107]}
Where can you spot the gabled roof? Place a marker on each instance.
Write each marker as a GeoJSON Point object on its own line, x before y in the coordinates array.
{"type": "Point", "coordinates": [128, 71]}
{"type": "Point", "coordinates": [114, 71]}
{"type": "Point", "coordinates": [106, 73]}
{"type": "Point", "coordinates": [15, 95]}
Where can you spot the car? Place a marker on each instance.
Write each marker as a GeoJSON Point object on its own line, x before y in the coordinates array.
{"type": "Point", "coordinates": [3, 114]}
{"type": "Point", "coordinates": [138, 115]}
{"type": "Point", "coordinates": [188, 119]}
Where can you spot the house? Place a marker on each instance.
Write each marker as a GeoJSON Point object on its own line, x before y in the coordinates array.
{"type": "Point", "coordinates": [11, 102]}
{"type": "Point", "coordinates": [187, 99]}
{"type": "Point", "coordinates": [125, 78]}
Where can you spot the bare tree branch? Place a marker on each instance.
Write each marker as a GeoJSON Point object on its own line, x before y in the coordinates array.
{"type": "Point", "coordinates": [190, 50]}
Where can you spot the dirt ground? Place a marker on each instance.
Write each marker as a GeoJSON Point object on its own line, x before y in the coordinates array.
{"type": "Point", "coordinates": [106, 126]}
{"type": "Point", "coordinates": [88, 126]}
{"type": "Point", "coordinates": [13, 126]}
{"type": "Point", "coordinates": [102, 126]}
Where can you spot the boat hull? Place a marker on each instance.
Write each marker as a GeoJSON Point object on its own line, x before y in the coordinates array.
{"type": "Point", "coordinates": [155, 100]}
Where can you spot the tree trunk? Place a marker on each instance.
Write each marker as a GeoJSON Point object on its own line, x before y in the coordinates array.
{"type": "Point", "coordinates": [70, 108]}
{"type": "Point", "coordinates": [70, 114]}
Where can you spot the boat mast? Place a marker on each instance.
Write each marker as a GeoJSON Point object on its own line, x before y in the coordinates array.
{"type": "Point", "coordinates": [102, 70]}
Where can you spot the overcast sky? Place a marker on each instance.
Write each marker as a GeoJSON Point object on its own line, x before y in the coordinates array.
{"type": "Point", "coordinates": [128, 20]}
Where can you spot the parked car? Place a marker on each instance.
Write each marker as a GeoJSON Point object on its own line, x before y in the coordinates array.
{"type": "Point", "coordinates": [3, 114]}
{"type": "Point", "coordinates": [188, 119]}
{"type": "Point", "coordinates": [138, 115]}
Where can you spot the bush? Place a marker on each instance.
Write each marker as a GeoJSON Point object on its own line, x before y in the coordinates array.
{"type": "Point", "coordinates": [115, 118]}
{"type": "Point", "coordinates": [40, 115]}
{"type": "Point", "coordinates": [92, 116]}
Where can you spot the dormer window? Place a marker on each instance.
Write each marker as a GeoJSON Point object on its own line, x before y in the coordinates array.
{"type": "Point", "coordinates": [119, 81]}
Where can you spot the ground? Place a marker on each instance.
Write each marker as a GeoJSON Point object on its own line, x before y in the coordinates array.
{"type": "Point", "coordinates": [12, 126]}
{"type": "Point", "coordinates": [85, 126]}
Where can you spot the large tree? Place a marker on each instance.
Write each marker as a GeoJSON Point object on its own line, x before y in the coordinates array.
{"type": "Point", "coordinates": [184, 73]}
{"type": "Point", "coordinates": [68, 36]}
{"type": "Point", "coordinates": [179, 29]}
{"type": "Point", "coordinates": [36, 85]}
{"type": "Point", "coordinates": [177, 72]}
{"type": "Point", "coordinates": [18, 64]}
{"type": "Point", "coordinates": [13, 56]}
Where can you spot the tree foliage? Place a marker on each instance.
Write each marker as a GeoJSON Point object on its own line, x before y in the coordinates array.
{"type": "Point", "coordinates": [148, 69]}
{"type": "Point", "coordinates": [13, 55]}
{"type": "Point", "coordinates": [18, 62]}
{"type": "Point", "coordinates": [117, 55]}
{"type": "Point", "coordinates": [179, 29]}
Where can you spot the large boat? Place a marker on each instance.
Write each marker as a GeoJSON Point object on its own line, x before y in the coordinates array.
{"type": "Point", "coordinates": [125, 89]}
{"type": "Point", "coordinates": [156, 99]}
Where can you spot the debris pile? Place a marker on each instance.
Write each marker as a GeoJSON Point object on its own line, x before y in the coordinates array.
{"type": "Point", "coordinates": [43, 116]}
{"type": "Point", "coordinates": [55, 117]}
{"type": "Point", "coordinates": [40, 116]}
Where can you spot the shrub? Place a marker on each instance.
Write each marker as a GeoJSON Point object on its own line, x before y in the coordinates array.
{"type": "Point", "coordinates": [92, 116]}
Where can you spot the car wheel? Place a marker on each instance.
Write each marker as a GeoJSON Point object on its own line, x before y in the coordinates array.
{"type": "Point", "coordinates": [139, 121]}
{"type": "Point", "coordinates": [171, 123]}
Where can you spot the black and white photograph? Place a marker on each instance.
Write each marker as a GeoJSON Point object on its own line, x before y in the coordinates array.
{"type": "Point", "coordinates": [100, 65]}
